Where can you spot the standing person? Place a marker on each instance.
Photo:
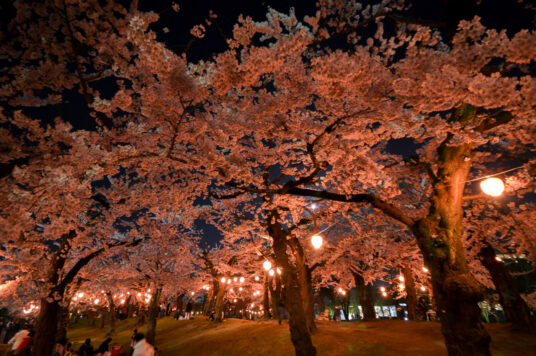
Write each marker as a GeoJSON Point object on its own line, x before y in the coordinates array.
{"type": "Point", "coordinates": [283, 314]}
{"type": "Point", "coordinates": [104, 347]}
{"type": "Point", "coordinates": [25, 347]}
{"type": "Point", "coordinates": [68, 349]}
{"type": "Point", "coordinates": [86, 349]}
{"type": "Point", "coordinates": [133, 336]}
{"type": "Point", "coordinates": [141, 346]}
{"type": "Point", "coordinates": [188, 310]}
{"type": "Point", "coordinates": [17, 339]}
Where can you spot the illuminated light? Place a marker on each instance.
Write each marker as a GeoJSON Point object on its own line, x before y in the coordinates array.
{"type": "Point", "coordinates": [401, 286]}
{"type": "Point", "coordinates": [401, 278]}
{"type": "Point", "coordinates": [340, 290]}
{"type": "Point", "coordinates": [229, 281]}
{"type": "Point", "coordinates": [343, 293]}
{"type": "Point", "coordinates": [80, 295]}
{"type": "Point", "coordinates": [267, 265]}
{"type": "Point", "coordinates": [492, 186]}
{"type": "Point", "coordinates": [498, 259]}
{"type": "Point", "coordinates": [235, 279]}
{"type": "Point", "coordinates": [317, 241]}
{"type": "Point", "coordinates": [234, 300]}
{"type": "Point", "coordinates": [102, 291]}
{"type": "Point", "coordinates": [271, 272]}
{"type": "Point", "coordinates": [252, 305]}
{"type": "Point", "coordinates": [223, 279]}
{"type": "Point", "coordinates": [139, 294]}
{"type": "Point", "coordinates": [128, 293]}
{"type": "Point", "coordinates": [425, 269]}
{"type": "Point", "coordinates": [75, 298]}
{"type": "Point", "coordinates": [256, 278]}
{"type": "Point", "coordinates": [314, 206]}
{"type": "Point", "coordinates": [242, 279]}
{"type": "Point", "coordinates": [384, 294]}
{"type": "Point", "coordinates": [192, 293]}
{"type": "Point", "coordinates": [423, 288]}
{"type": "Point", "coordinates": [122, 301]}
{"type": "Point", "coordinates": [382, 289]}
{"type": "Point", "coordinates": [149, 290]}
{"type": "Point", "coordinates": [231, 290]}
{"type": "Point", "coordinates": [121, 296]}
{"type": "Point", "coordinates": [278, 270]}
{"type": "Point", "coordinates": [96, 301]}
{"type": "Point", "coordinates": [240, 289]}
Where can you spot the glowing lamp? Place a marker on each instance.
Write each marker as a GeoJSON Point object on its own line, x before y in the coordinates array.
{"type": "Point", "coordinates": [401, 286]}
{"type": "Point", "coordinates": [343, 293]}
{"type": "Point", "coordinates": [148, 290]}
{"type": "Point", "coordinates": [229, 281]}
{"type": "Point", "coordinates": [234, 300]}
{"type": "Point", "coordinates": [401, 278]}
{"type": "Point", "coordinates": [317, 241]}
{"type": "Point", "coordinates": [242, 279]}
{"type": "Point", "coordinates": [271, 272]}
{"type": "Point", "coordinates": [256, 278]}
{"type": "Point", "coordinates": [278, 270]}
{"type": "Point", "coordinates": [423, 288]}
{"type": "Point", "coordinates": [267, 265]}
{"type": "Point", "coordinates": [498, 259]}
{"type": "Point", "coordinates": [382, 289]}
{"type": "Point", "coordinates": [492, 186]}
{"type": "Point", "coordinates": [122, 301]}
{"type": "Point", "coordinates": [139, 294]}
{"type": "Point", "coordinates": [75, 298]}
{"type": "Point", "coordinates": [235, 279]}
{"type": "Point", "coordinates": [231, 290]}
{"type": "Point", "coordinates": [223, 279]}
{"type": "Point", "coordinates": [80, 295]}
{"type": "Point", "coordinates": [425, 269]}
{"type": "Point", "coordinates": [384, 294]}
{"type": "Point", "coordinates": [192, 293]}
{"type": "Point", "coordinates": [340, 290]}
{"type": "Point", "coordinates": [96, 301]}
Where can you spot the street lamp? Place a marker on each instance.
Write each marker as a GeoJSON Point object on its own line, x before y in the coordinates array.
{"type": "Point", "coordinates": [492, 186]}
{"type": "Point", "coordinates": [317, 241]}
{"type": "Point", "coordinates": [267, 265]}
{"type": "Point", "coordinates": [271, 272]}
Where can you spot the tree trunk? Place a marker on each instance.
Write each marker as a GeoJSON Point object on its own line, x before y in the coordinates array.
{"type": "Point", "coordinates": [515, 307]}
{"type": "Point", "coordinates": [365, 297]}
{"type": "Point", "coordinates": [439, 235]}
{"type": "Point", "coordinates": [266, 297]}
{"type": "Point", "coordinates": [90, 317]}
{"type": "Point", "coordinates": [180, 302]}
{"type": "Point", "coordinates": [130, 307]}
{"type": "Point", "coordinates": [299, 332]}
{"type": "Point", "coordinates": [111, 315]}
{"type": "Point", "coordinates": [345, 306]}
{"type": "Point", "coordinates": [306, 289]}
{"type": "Point", "coordinates": [411, 293]}
{"type": "Point", "coordinates": [275, 295]}
{"type": "Point", "coordinates": [142, 318]}
{"type": "Point", "coordinates": [209, 304]}
{"type": "Point", "coordinates": [154, 308]}
{"type": "Point", "coordinates": [63, 322]}
{"type": "Point", "coordinates": [219, 309]}
{"type": "Point", "coordinates": [102, 321]}
{"type": "Point", "coordinates": [46, 327]}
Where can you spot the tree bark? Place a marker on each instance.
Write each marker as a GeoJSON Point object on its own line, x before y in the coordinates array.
{"type": "Point", "coordinates": [111, 315]}
{"type": "Point", "coordinates": [130, 307]}
{"type": "Point", "coordinates": [63, 322]}
{"type": "Point", "coordinates": [219, 309]}
{"type": "Point", "coordinates": [306, 289]}
{"type": "Point", "coordinates": [266, 297]}
{"type": "Point", "coordinates": [411, 293]}
{"type": "Point", "coordinates": [209, 304]}
{"type": "Point", "coordinates": [275, 296]}
{"type": "Point", "coordinates": [46, 327]}
{"type": "Point", "coordinates": [154, 308]}
{"type": "Point", "coordinates": [142, 318]}
{"type": "Point", "coordinates": [299, 332]}
{"type": "Point", "coordinates": [90, 317]}
{"type": "Point", "coordinates": [515, 307]}
{"type": "Point", "coordinates": [102, 320]}
{"type": "Point", "coordinates": [180, 303]}
{"type": "Point", "coordinates": [366, 298]}
{"type": "Point", "coordinates": [439, 236]}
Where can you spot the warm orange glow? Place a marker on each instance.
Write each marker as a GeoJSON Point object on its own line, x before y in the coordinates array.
{"type": "Point", "coordinates": [223, 279]}
{"type": "Point", "coordinates": [401, 278]}
{"type": "Point", "coordinates": [498, 259]}
{"type": "Point", "coordinates": [384, 294]}
{"type": "Point", "coordinates": [492, 186]}
{"type": "Point", "coordinates": [423, 288]}
{"type": "Point", "coordinates": [267, 265]}
{"type": "Point", "coordinates": [271, 272]}
{"type": "Point", "coordinates": [242, 279]}
{"type": "Point", "coordinates": [425, 269]}
{"type": "Point", "coordinates": [382, 289]}
{"type": "Point", "coordinates": [256, 278]}
{"type": "Point", "coordinates": [317, 241]}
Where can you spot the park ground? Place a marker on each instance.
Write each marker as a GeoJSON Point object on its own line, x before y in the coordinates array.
{"type": "Point", "coordinates": [243, 337]}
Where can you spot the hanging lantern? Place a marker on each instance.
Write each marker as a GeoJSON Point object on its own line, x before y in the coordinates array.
{"type": "Point", "coordinates": [317, 241]}
{"type": "Point", "coordinates": [492, 186]}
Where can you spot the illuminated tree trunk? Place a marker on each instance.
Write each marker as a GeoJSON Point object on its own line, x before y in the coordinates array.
{"type": "Point", "coordinates": [180, 302]}
{"type": "Point", "coordinates": [63, 321]}
{"type": "Point", "coordinates": [366, 298]}
{"type": "Point", "coordinates": [46, 328]}
{"type": "Point", "coordinates": [154, 309]}
{"type": "Point", "coordinates": [275, 296]}
{"type": "Point", "coordinates": [111, 315]}
{"type": "Point", "coordinates": [299, 332]}
{"type": "Point", "coordinates": [90, 317]}
{"type": "Point", "coordinates": [306, 289]}
{"type": "Point", "coordinates": [266, 297]}
{"type": "Point", "coordinates": [142, 318]}
{"type": "Point", "coordinates": [515, 307]}
{"type": "Point", "coordinates": [439, 235]}
{"type": "Point", "coordinates": [209, 305]}
{"type": "Point", "coordinates": [130, 307]}
{"type": "Point", "coordinates": [345, 306]}
{"type": "Point", "coordinates": [219, 303]}
{"type": "Point", "coordinates": [411, 293]}
{"type": "Point", "coordinates": [102, 320]}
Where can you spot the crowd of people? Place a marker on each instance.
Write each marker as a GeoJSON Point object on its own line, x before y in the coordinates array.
{"type": "Point", "coordinates": [21, 344]}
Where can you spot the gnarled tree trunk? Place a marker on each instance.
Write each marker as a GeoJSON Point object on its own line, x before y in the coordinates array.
{"type": "Point", "coordinates": [366, 298]}
{"type": "Point", "coordinates": [142, 318]}
{"type": "Point", "coordinates": [515, 307]}
{"type": "Point", "coordinates": [46, 327]}
{"type": "Point", "coordinates": [219, 303]}
{"type": "Point", "coordinates": [266, 297]}
{"type": "Point", "coordinates": [299, 332]}
{"type": "Point", "coordinates": [411, 293]}
{"type": "Point", "coordinates": [154, 308]}
{"type": "Point", "coordinates": [63, 321]}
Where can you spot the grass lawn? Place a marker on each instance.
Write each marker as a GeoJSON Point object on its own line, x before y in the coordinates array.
{"type": "Point", "coordinates": [242, 337]}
